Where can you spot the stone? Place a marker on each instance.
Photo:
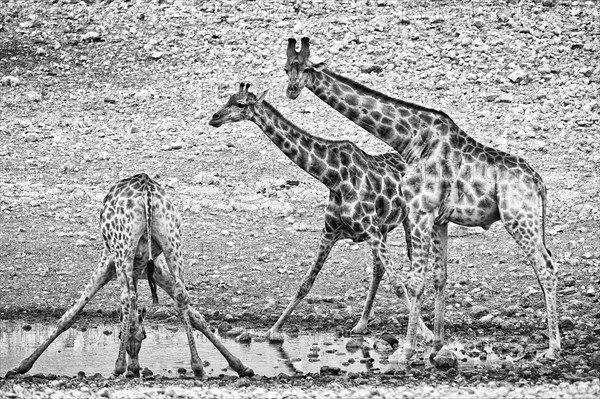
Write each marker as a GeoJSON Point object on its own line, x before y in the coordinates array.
{"type": "Point", "coordinates": [479, 311]}
{"type": "Point", "coordinates": [33, 96]}
{"type": "Point", "coordinates": [478, 23]}
{"type": "Point", "coordinates": [32, 137]}
{"type": "Point", "coordinates": [566, 324]}
{"type": "Point", "coordinates": [382, 346]}
{"type": "Point", "coordinates": [156, 55]}
{"type": "Point", "coordinates": [244, 338]}
{"type": "Point", "coordinates": [91, 36]}
{"type": "Point", "coordinates": [595, 360]}
{"type": "Point", "coordinates": [224, 326]}
{"type": "Point", "coordinates": [10, 81]}
{"type": "Point", "coordinates": [538, 145]}
{"type": "Point", "coordinates": [389, 338]}
{"type": "Point", "coordinates": [445, 359]}
{"type": "Point", "coordinates": [517, 76]}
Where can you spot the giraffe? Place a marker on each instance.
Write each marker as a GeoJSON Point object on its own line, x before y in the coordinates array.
{"type": "Point", "coordinates": [450, 177]}
{"type": "Point", "coordinates": [138, 223]}
{"type": "Point", "coordinates": [365, 196]}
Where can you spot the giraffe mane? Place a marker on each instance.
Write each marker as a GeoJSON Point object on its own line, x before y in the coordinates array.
{"type": "Point", "coordinates": [381, 96]}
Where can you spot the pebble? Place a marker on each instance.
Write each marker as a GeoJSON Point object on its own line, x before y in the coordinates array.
{"type": "Point", "coordinates": [10, 81]}
{"type": "Point", "coordinates": [445, 359]}
{"type": "Point", "coordinates": [90, 36]}
{"type": "Point", "coordinates": [517, 76]}
{"type": "Point", "coordinates": [156, 55]}
{"type": "Point", "coordinates": [478, 311]}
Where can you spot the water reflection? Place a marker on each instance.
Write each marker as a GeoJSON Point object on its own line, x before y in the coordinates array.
{"type": "Point", "coordinates": [94, 350]}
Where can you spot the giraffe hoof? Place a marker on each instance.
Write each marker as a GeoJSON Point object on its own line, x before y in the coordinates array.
{"type": "Point", "coordinates": [200, 375]}
{"type": "Point", "coordinates": [274, 337]}
{"type": "Point", "coordinates": [246, 372]}
{"type": "Point", "coordinates": [360, 329]}
{"type": "Point", "coordinates": [11, 373]}
{"type": "Point", "coordinates": [551, 354]}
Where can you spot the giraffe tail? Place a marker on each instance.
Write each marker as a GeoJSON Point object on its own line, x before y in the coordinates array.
{"type": "Point", "coordinates": [150, 264]}
{"type": "Point", "coordinates": [543, 193]}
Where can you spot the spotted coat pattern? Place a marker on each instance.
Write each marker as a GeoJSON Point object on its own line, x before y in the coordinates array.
{"type": "Point", "coordinates": [450, 177]}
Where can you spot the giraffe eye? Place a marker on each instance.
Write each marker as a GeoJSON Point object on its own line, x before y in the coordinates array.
{"type": "Point", "coordinates": [240, 105]}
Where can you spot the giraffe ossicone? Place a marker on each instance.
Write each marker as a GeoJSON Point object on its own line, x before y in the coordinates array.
{"type": "Point", "coordinates": [139, 222]}
{"type": "Point", "coordinates": [450, 177]}
{"type": "Point", "coordinates": [365, 194]}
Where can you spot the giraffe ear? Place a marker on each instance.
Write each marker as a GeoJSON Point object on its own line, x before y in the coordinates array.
{"type": "Point", "coordinates": [317, 66]}
{"type": "Point", "coordinates": [262, 97]}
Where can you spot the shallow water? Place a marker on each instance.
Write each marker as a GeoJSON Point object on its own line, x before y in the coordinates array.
{"type": "Point", "coordinates": [166, 350]}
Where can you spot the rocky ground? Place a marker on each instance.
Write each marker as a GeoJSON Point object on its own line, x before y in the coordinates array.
{"type": "Point", "coordinates": [96, 91]}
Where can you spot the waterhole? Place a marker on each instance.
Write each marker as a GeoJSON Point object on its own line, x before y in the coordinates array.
{"type": "Point", "coordinates": [165, 351]}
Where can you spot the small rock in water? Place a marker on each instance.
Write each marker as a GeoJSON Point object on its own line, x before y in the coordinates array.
{"type": "Point", "coordinates": [181, 370]}
{"type": "Point", "coordinates": [382, 346]}
{"type": "Point", "coordinates": [81, 374]}
{"type": "Point", "coordinates": [326, 370]}
{"type": "Point", "coordinates": [445, 359]}
{"type": "Point", "coordinates": [389, 338]}
{"type": "Point", "coordinates": [244, 338]}
{"type": "Point", "coordinates": [224, 326]}
{"type": "Point", "coordinates": [146, 372]}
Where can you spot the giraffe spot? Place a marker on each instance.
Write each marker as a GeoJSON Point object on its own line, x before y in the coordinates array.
{"type": "Point", "coordinates": [387, 121]}
{"type": "Point", "coordinates": [376, 182]}
{"type": "Point", "coordinates": [389, 111]}
{"type": "Point", "coordinates": [485, 203]}
{"type": "Point", "coordinates": [353, 114]}
{"type": "Point", "coordinates": [319, 149]}
{"type": "Point", "coordinates": [333, 157]}
{"type": "Point", "coordinates": [352, 100]}
{"type": "Point", "coordinates": [341, 107]}
{"type": "Point", "coordinates": [130, 204]}
{"type": "Point", "coordinates": [345, 158]}
{"type": "Point", "coordinates": [335, 89]}
{"type": "Point", "coordinates": [369, 102]}
{"type": "Point", "coordinates": [426, 118]}
{"type": "Point", "coordinates": [367, 121]}
{"type": "Point", "coordinates": [404, 112]}
{"type": "Point", "coordinates": [381, 206]}
{"type": "Point", "coordinates": [331, 176]}
{"type": "Point", "coordinates": [316, 166]}
{"type": "Point", "coordinates": [376, 115]}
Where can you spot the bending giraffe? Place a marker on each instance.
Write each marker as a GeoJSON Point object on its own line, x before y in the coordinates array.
{"type": "Point", "coordinates": [365, 195]}
{"type": "Point", "coordinates": [138, 223]}
{"type": "Point", "coordinates": [450, 177]}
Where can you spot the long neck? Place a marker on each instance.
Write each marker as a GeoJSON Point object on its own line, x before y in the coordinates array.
{"type": "Point", "coordinates": [398, 123]}
{"type": "Point", "coordinates": [305, 150]}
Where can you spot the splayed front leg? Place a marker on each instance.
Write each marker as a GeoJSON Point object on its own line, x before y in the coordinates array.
{"type": "Point", "coordinates": [105, 271]}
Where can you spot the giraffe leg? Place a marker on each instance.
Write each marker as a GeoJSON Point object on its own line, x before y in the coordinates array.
{"type": "Point", "coordinates": [439, 246]}
{"type": "Point", "coordinates": [166, 281]}
{"type": "Point", "coordinates": [378, 272]}
{"type": "Point", "coordinates": [172, 252]}
{"type": "Point", "coordinates": [104, 273]}
{"type": "Point", "coordinates": [421, 226]}
{"type": "Point", "coordinates": [327, 240]}
{"type": "Point", "coordinates": [128, 308]}
{"type": "Point", "coordinates": [397, 284]}
{"type": "Point", "coordinates": [530, 239]}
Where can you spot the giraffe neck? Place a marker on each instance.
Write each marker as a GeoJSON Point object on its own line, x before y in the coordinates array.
{"type": "Point", "coordinates": [404, 126]}
{"type": "Point", "coordinates": [309, 152]}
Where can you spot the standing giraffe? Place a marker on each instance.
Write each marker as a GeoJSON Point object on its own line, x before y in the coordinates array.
{"type": "Point", "coordinates": [138, 223]}
{"type": "Point", "coordinates": [365, 196]}
{"type": "Point", "coordinates": [450, 177]}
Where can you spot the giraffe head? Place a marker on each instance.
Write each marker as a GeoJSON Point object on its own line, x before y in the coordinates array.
{"type": "Point", "coordinates": [239, 107]}
{"type": "Point", "coordinates": [297, 66]}
{"type": "Point", "coordinates": [137, 332]}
